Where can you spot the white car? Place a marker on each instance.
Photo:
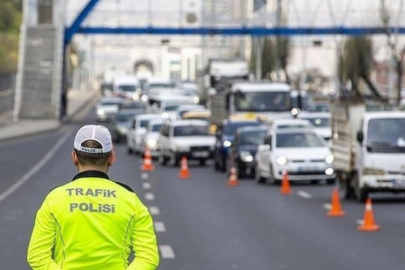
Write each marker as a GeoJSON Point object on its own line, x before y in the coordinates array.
{"type": "Point", "coordinates": [302, 153]}
{"type": "Point", "coordinates": [107, 108]}
{"type": "Point", "coordinates": [321, 122]}
{"type": "Point", "coordinates": [186, 108]}
{"type": "Point", "coordinates": [151, 137]}
{"type": "Point", "coordinates": [137, 131]}
{"type": "Point", "coordinates": [189, 138]}
{"type": "Point", "coordinates": [127, 86]}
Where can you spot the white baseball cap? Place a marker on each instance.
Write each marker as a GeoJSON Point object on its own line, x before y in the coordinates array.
{"type": "Point", "coordinates": [93, 132]}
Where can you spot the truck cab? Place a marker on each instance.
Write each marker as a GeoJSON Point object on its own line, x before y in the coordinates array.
{"type": "Point", "coordinates": [369, 150]}
{"type": "Point", "coordinates": [266, 99]}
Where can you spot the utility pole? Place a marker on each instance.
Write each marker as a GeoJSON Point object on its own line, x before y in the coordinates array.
{"type": "Point", "coordinates": [278, 24]}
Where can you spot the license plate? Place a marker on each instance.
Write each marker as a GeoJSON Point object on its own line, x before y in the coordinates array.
{"type": "Point", "coordinates": [200, 154]}
{"type": "Point", "coordinates": [307, 169]}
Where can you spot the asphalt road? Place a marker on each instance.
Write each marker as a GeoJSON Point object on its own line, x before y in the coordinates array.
{"type": "Point", "coordinates": [202, 223]}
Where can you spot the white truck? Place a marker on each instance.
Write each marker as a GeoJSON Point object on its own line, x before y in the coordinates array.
{"type": "Point", "coordinates": [268, 100]}
{"type": "Point", "coordinates": [368, 148]}
{"type": "Point", "coordinates": [217, 72]}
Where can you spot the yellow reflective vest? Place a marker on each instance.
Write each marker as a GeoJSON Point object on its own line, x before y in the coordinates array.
{"type": "Point", "coordinates": [92, 223]}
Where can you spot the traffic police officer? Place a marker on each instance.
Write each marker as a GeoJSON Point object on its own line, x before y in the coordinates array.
{"type": "Point", "coordinates": [93, 222]}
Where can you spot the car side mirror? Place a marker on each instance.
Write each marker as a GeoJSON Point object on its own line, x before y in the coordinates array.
{"type": "Point", "coordinates": [360, 137]}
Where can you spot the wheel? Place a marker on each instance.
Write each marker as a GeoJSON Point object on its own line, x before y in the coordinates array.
{"type": "Point", "coordinates": [216, 165]}
{"type": "Point", "coordinates": [258, 177]}
{"type": "Point", "coordinates": [174, 161]}
{"type": "Point", "coordinates": [203, 162]}
{"type": "Point", "coordinates": [223, 166]}
{"type": "Point", "coordinates": [360, 193]}
{"type": "Point", "coordinates": [275, 181]}
{"type": "Point", "coordinates": [162, 159]}
{"type": "Point", "coordinates": [129, 150]}
{"type": "Point", "coordinates": [239, 171]}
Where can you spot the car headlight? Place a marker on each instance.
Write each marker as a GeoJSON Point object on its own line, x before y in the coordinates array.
{"type": "Point", "coordinates": [135, 97]}
{"type": "Point", "coordinates": [165, 115]}
{"type": "Point", "coordinates": [152, 143]}
{"type": "Point", "coordinates": [196, 99]}
{"type": "Point", "coordinates": [100, 112]}
{"type": "Point", "coordinates": [281, 160]}
{"type": "Point", "coordinates": [329, 159]}
{"type": "Point", "coordinates": [246, 156]}
{"type": "Point", "coordinates": [373, 171]}
{"type": "Point", "coordinates": [144, 98]}
{"type": "Point", "coordinates": [227, 143]}
{"type": "Point", "coordinates": [123, 129]}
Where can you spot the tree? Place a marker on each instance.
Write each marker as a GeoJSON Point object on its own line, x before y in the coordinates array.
{"type": "Point", "coordinates": [268, 59]}
{"type": "Point", "coordinates": [397, 54]}
{"type": "Point", "coordinates": [356, 64]}
{"type": "Point", "coordinates": [10, 20]}
{"type": "Point", "coordinates": [283, 51]}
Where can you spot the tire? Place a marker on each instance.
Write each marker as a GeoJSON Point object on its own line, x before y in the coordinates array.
{"type": "Point", "coordinates": [360, 193]}
{"type": "Point", "coordinates": [203, 162]}
{"type": "Point", "coordinates": [258, 178]}
{"type": "Point", "coordinates": [223, 166]}
{"type": "Point", "coordinates": [239, 172]}
{"type": "Point", "coordinates": [174, 161]}
{"type": "Point", "coordinates": [129, 151]}
{"type": "Point", "coordinates": [162, 160]}
{"type": "Point", "coordinates": [216, 165]}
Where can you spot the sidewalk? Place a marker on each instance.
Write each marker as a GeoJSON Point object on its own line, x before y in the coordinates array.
{"type": "Point", "coordinates": [77, 100]}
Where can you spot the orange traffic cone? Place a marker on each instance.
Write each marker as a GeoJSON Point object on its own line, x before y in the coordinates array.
{"type": "Point", "coordinates": [285, 184]}
{"type": "Point", "coordinates": [336, 210]}
{"type": "Point", "coordinates": [368, 222]}
{"type": "Point", "coordinates": [184, 172]}
{"type": "Point", "coordinates": [233, 178]}
{"type": "Point", "coordinates": [147, 161]}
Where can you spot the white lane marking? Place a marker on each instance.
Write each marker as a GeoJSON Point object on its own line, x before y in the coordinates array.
{"type": "Point", "coordinates": [145, 176]}
{"type": "Point", "coordinates": [166, 252]}
{"type": "Point", "coordinates": [154, 210]}
{"type": "Point", "coordinates": [160, 226]}
{"type": "Point", "coordinates": [34, 169]}
{"type": "Point", "coordinates": [149, 196]}
{"type": "Point", "coordinates": [327, 206]}
{"type": "Point", "coordinates": [146, 185]}
{"type": "Point", "coordinates": [304, 194]}
{"type": "Point", "coordinates": [360, 222]}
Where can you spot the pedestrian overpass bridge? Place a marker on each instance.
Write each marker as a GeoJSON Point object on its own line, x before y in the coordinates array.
{"type": "Point", "coordinates": [48, 29]}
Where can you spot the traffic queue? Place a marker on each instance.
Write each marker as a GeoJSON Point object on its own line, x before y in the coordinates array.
{"type": "Point", "coordinates": [247, 127]}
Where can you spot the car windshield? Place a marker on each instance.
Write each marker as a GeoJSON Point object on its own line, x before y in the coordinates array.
{"type": "Point", "coordinates": [253, 137]}
{"type": "Point", "coordinates": [190, 131]}
{"type": "Point", "coordinates": [386, 135]}
{"type": "Point", "coordinates": [232, 127]}
{"type": "Point", "coordinates": [321, 108]}
{"type": "Point", "coordinates": [144, 123]}
{"type": "Point", "coordinates": [171, 108]}
{"type": "Point", "coordinates": [263, 101]}
{"type": "Point", "coordinates": [124, 117]}
{"type": "Point", "coordinates": [319, 121]}
{"type": "Point", "coordinates": [296, 139]}
{"type": "Point", "coordinates": [127, 88]}
{"type": "Point", "coordinates": [155, 127]}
